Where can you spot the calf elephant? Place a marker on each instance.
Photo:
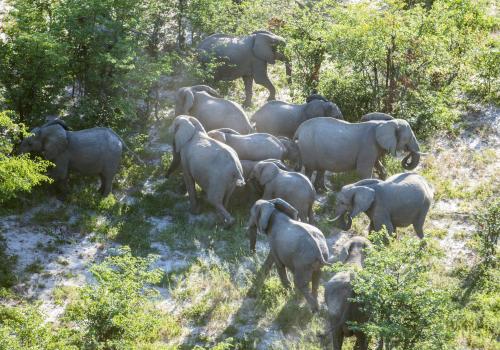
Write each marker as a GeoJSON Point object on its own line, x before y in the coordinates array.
{"type": "Point", "coordinates": [339, 146]}
{"type": "Point", "coordinates": [294, 245]}
{"type": "Point", "coordinates": [401, 200]}
{"type": "Point", "coordinates": [291, 186]}
{"type": "Point", "coordinates": [207, 162]}
{"type": "Point", "coordinates": [213, 112]}
{"type": "Point", "coordinates": [339, 295]}
{"type": "Point", "coordinates": [282, 119]}
{"type": "Point", "coordinates": [244, 57]}
{"type": "Point", "coordinates": [95, 151]}
{"type": "Point", "coordinates": [258, 146]}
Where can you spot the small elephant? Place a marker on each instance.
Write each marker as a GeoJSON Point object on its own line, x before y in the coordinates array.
{"type": "Point", "coordinates": [291, 186]}
{"type": "Point", "coordinates": [244, 57]}
{"type": "Point", "coordinates": [282, 119]}
{"type": "Point", "coordinates": [338, 296]}
{"type": "Point", "coordinates": [95, 151]}
{"type": "Point", "coordinates": [248, 166]}
{"type": "Point", "coordinates": [401, 200]}
{"type": "Point", "coordinates": [258, 146]}
{"type": "Point", "coordinates": [376, 116]}
{"type": "Point", "coordinates": [339, 146]}
{"type": "Point", "coordinates": [294, 245]}
{"type": "Point", "coordinates": [208, 162]}
{"type": "Point", "coordinates": [213, 112]}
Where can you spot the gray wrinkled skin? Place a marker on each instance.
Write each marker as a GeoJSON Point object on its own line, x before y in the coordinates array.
{"type": "Point", "coordinates": [282, 119]}
{"type": "Point", "coordinates": [209, 163]}
{"type": "Point", "coordinates": [95, 151]}
{"type": "Point", "coordinates": [401, 200]}
{"type": "Point", "coordinates": [339, 146]}
{"type": "Point", "coordinates": [244, 57]}
{"type": "Point", "coordinates": [291, 186]}
{"type": "Point", "coordinates": [213, 112]}
{"type": "Point", "coordinates": [294, 245]}
{"type": "Point", "coordinates": [338, 294]}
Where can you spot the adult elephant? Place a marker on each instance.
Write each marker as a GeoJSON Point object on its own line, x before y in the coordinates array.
{"type": "Point", "coordinates": [244, 57]}
{"type": "Point", "coordinates": [258, 146]}
{"type": "Point", "coordinates": [213, 111]}
{"type": "Point", "coordinates": [401, 200]}
{"type": "Point", "coordinates": [211, 164]}
{"type": "Point", "coordinates": [95, 151]}
{"type": "Point", "coordinates": [282, 119]}
{"type": "Point", "coordinates": [339, 146]}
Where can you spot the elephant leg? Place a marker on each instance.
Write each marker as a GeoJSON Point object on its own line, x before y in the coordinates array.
{"type": "Point", "coordinates": [263, 79]}
{"type": "Point", "coordinates": [228, 194]}
{"type": "Point", "coordinates": [248, 81]}
{"type": "Point", "coordinates": [308, 172]}
{"type": "Point", "coordinates": [311, 215]}
{"type": "Point", "coordinates": [316, 276]}
{"type": "Point", "coordinates": [216, 197]}
{"type": "Point", "coordinates": [268, 193]}
{"type": "Point", "coordinates": [319, 182]}
{"type": "Point", "coordinates": [189, 181]}
{"type": "Point", "coordinates": [106, 184]}
{"type": "Point", "coordinates": [364, 171]}
{"type": "Point", "coordinates": [282, 274]}
{"type": "Point", "coordinates": [302, 277]}
{"type": "Point", "coordinates": [361, 341]}
{"type": "Point", "coordinates": [338, 337]}
{"type": "Point", "coordinates": [418, 225]}
{"type": "Point", "coordinates": [176, 160]}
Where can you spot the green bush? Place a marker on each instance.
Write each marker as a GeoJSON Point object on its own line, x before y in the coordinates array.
{"type": "Point", "coordinates": [406, 308]}
{"type": "Point", "coordinates": [17, 173]}
{"type": "Point", "coordinates": [117, 312]}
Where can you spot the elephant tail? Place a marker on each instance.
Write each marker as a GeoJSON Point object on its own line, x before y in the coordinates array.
{"type": "Point", "coordinates": [129, 150]}
{"type": "Point", "coordinates": [239, 177]}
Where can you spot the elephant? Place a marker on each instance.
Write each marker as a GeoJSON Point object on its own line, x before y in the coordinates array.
{"type": "Point", "coordinates": [207, 162]}
{"type": "Point", "coordinates": [339, 294]}
{"type": "Point", "coordinates": [95, 151]}
{"type": "Point", "coordinates": [291, 186]}
{"type": "Point", "coordinates": [258, 146]}
{"type": "Point", "coordinates": [213, 112]}
{"type": "Point", "coordinates": [294, 245]}
{"type": "Point", "coordinates": [339, 146]}
{"type": "Point", "coordinates": [244, 57]}
{"type": "Point", "coordinates": [282, 119]}
{"type": "Point", "coordinates": [376, 116]}
{"type": "Point", "coordinates": [401, 200]}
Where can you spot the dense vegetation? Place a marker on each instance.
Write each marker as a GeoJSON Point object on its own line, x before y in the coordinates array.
{"type": "Point", "coordinates": [112, 63]}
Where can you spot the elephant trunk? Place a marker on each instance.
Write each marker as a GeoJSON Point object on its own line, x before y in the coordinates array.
{"type": "Point", "coordinates": [288, 66]}
{"type": "Point", "coordinates": [341, 219]}
{"type": "Point", "coordinates": [252, 233]}
{"type": "Point", "coordinates": [411, 161]}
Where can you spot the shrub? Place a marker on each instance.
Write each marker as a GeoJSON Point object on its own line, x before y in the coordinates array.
{"type": "Point", "coordinates": [406, 309]}
{"type": "Point", "coordinates": [116, 312]}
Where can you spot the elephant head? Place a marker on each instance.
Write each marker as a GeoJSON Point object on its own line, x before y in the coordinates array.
{"type": "Point", "coordinates": [318, 108]}
{"type": "Point", "coordinates": [184, 99]}
{"type": "Point", "coordinates": [354, 250]}
{"type": "Point", "coordinates": [292, 152]}
{"type": "Point", "coordinates": [260, 215]}
{"type": "Point", "coordinates": [265, 46]}
{"type": "Point", "coordinates": [352, 200]}
{"type": "Point", "coordinates": [184, 128]}
{"type": "Point", "coordinates": [264, 172]}
{"type": "Point", "coordinates": [50, 140]}
{"type": "Point", "coordinates": [397, 135]}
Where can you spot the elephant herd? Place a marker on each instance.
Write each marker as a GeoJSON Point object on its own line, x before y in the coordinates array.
{"type": "Point", "coordinates": [216, 146]}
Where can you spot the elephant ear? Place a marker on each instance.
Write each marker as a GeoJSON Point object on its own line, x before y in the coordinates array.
{"type": "Point", "coordinates": [54, 140]}
{"type": "Point", "coordinates": [386, 136]}
{"type": "Point", "coordinates": [285, 207]}
{"type": "Point", "coordinates": [362, 199]}
{"type": "Point", "coordinates": [186, 102]}
{"type": "Point", "coordinates": [206, 89]}
{"type": "Point", "coordinates": [315, 108]}
{"type": "Point", "coordinates": [263, 47]}
{"type": "Point", "coordinates": [267, 171]}
{"type": "Point", "coordinates": [197, 125]}
{"type": "Point", "coordinates": [183, 132]}
{"type": "Point", "coordinates": [344, 251]}
{"type": "Point", "coordinates": [264, 210]}
{"type": "Point", "coordinates": [217, 135]}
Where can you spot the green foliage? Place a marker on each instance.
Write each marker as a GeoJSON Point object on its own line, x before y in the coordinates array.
{"type": "Point", "coordinates": [22, 327]}
{"type": "Point", "coordinates": [7, 264]}
{"type": "Point", "coordinates": [117, 312]}
{"type": "Point", "coordinates": [17, 173]}
{"type": "Point", "coordinates": [406, 309]}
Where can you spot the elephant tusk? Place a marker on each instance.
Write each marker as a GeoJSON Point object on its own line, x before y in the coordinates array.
{"type": "Point", "coordinates": [423, 153]}
{"type": "Point", "coordinates": [335, 218]}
